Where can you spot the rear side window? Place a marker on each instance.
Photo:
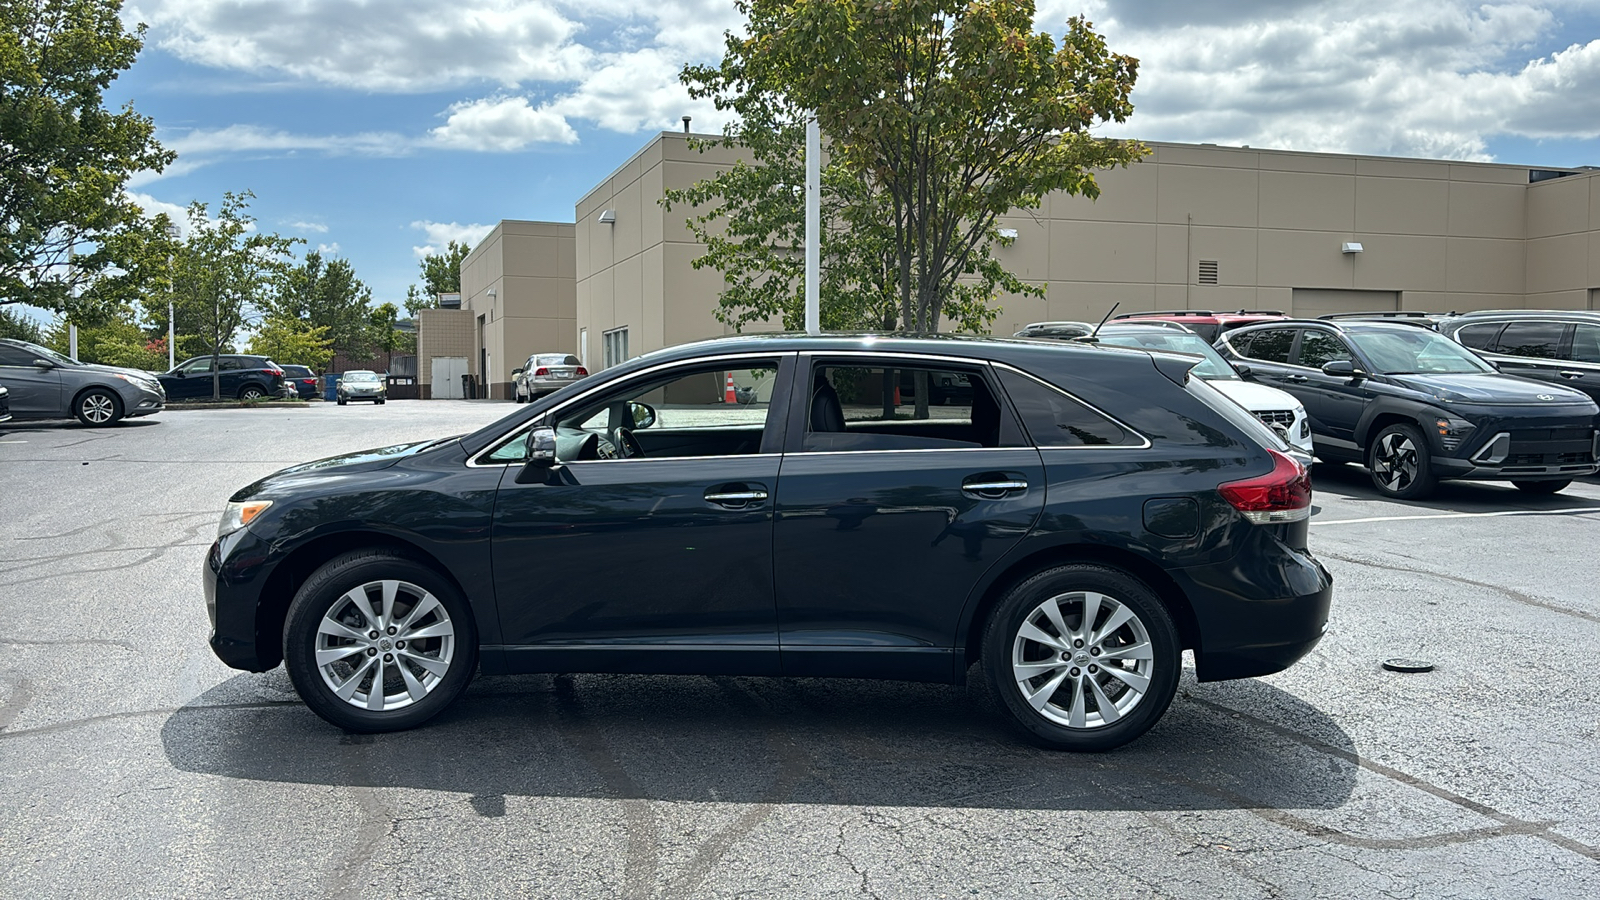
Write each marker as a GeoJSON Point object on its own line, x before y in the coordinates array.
{"type": "Point", "coordinates": [1541, 340]}
{"type": "Point", "coordinates": [1271, 345]}
{"type": "Point", "coordinates": [1479, 337]}
{"type": "Point", "coordinates": [1056, 419]}
{"type": "Point", "coordinates": [1319, 347]}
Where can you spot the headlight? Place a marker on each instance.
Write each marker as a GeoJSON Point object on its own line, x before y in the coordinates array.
{"type": "Point", "coordinates": [238, 515]}
{"type": "Point", "coordinates": [1452, 431]}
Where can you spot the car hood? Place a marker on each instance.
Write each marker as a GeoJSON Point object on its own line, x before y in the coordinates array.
{"type": "Point", "coordinates": [1255, 397]}
{"type": "Point", "coordinates": [335, 466]}
{"type": "Point", "coordinates": [1490, 389]}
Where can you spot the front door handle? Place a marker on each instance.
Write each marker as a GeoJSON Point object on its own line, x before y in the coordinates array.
{"type": "Point", "coordinates": [737, 496]}
{"type": "Point", "coordinates": [1297, 379]}
{"type": "Point", "coordinates": [993, 486]}
{"type": "Point", "coordinates": [1568, 373]}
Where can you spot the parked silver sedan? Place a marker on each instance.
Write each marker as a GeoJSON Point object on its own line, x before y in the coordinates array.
{"type": "Point", "coordinates": [546, 372]}
{"type": "Point", "coordinates": [45, 384]}
{"type": "Point", "coordinates": [361, 384]}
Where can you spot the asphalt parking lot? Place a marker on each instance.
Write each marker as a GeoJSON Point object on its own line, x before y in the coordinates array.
{"type": "Point", "coordinates": [134, 764]}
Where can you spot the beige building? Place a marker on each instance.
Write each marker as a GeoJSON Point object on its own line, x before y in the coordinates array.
{"type": "Point", "coordinates": [1191, 227]}
{"type": "Point", "coordinates": [518, 288]}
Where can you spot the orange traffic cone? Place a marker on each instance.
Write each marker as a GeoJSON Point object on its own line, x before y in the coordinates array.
{"type": "Point", "coordinates": [729, 393]}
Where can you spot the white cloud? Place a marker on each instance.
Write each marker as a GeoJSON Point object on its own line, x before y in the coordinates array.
{"type": "Point", "coordinates": [502, 124]}
{"type": "Point", "coordinates": [236, 139]}
{"type": "Point", "coordinates": [329, 249]}
{"type": "Point", "coordinates": [316, 227]}
{"type": "Point", "coordinates": [440, 234]}
{"type": "Point", "coordinates": [639, 91]}
{"type": "Point", "coordinates": [179, 215]}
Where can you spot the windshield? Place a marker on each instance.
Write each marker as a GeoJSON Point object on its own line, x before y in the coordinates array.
{"type": "Point", "coordinates": [1416, 351]}
{"type": "Point", "coordinates": [1215, 368]}
{"type": "Point", "coordinates": [360, 376]}
{"type": "Point", "coordinates": [49, 354]}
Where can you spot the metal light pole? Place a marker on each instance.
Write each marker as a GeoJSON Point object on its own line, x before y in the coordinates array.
{"type": "Point", "coordinates": [72, 275]}
{"type": "Point", "coordinates": [813, 225]}
{"type": "Point", "coordinates": [172, 290]}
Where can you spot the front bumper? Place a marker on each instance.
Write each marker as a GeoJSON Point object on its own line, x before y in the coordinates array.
{"type": "Point", "coordinates": [144, 401]}
{"type": "Point", "coordinates": [234, 575]}
{"type": "Point", "coordinates": [1524, 454]}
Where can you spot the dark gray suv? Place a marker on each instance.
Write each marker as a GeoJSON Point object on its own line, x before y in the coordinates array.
{"type": "Point", "coordinates": [1553, 346]}
{"type": "Point", "coordinates": [45, 384]}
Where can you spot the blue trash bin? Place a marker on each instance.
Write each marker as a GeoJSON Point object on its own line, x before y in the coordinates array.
{"type": "Point", "coordinates": [330, 386]}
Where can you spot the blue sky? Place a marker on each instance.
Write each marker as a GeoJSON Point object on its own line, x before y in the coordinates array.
{"type": "Point", "coordinates": [377, 129]}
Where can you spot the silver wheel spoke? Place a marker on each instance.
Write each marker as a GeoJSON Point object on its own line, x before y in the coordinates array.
{"type": "Point", "coordinates": [1035, 669]}
{"type": "Point", "coordinates": [1128, 677]}
{"type": "Point", "coordinates": [1039, 698]}
{"type": "Point", "coordinates": [1032, 632]}
{"type": "Point", "coordinates": [427, 604]}
{"type": "Point", "coordinates": [336, 628]}
{"type": "Point", "coordinates": [413, 686]}
{"type": "Point", "coordinates": [1077, 716]}
{"type": "Point", "coordinates": [1132, 651]}
{"type": "Point", "coordinates": [437, 629]}
{"type": "Point", "coordinates": [332, 655]}
{"type": "Point", "coordinates": [1118, 618]}
{"type": "Point", "coordinates": [1108, 710]}
{"type": "Point", "coordinates": [347, 689]}
{"type": "Point", "coordinates": [390, 588]}
{"type": "Point", "coordinates": [1052, 611]}
{"type": "Point", "coordinates": [358, 596]}
{"type": "Point", "coordinates": [375, 693]}
{"type": "Point", "coordinates": [437, 666]}
{"type": "Point", "coordinates": [1091, 611]}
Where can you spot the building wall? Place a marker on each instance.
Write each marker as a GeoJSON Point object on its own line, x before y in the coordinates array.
{"type": "Point", "coordinates": [441, 332]}
{"type": "Point", "coordinates": [530, 267]}
{"type": "Point", "coordinates": [1436, 236]}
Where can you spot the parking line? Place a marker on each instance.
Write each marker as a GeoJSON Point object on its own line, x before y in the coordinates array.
{"type": "Point", "coordinates": [1478, 515]}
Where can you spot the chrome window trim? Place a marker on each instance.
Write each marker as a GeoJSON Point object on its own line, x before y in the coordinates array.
{"type": "Point", "coordinates": [1087, 405]}
{"type": "Point", "coordinates": [543, 418]}
{"type": "Point", "coordinates": [806, 454]}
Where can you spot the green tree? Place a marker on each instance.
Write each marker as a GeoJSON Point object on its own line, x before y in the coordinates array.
{"type": "Point", "coordinates": [441, 274]}
{"type": "Point", "coordinates": [224, 272]}
{"type": "Point", "coordinates": [328, 294]}
{"type": "Point", "coordinates": [14, 324]}
{"type": "Point", "coordinates": [114, 340]}
{"type": "Point", "coordinates": [288, 340]}
{"type": "Point", "coordinates": [65, 217]}
{"type": "Point", "coordinates": [949, 114]}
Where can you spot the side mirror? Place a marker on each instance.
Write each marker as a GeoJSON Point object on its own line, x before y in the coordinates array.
{"type": "Point", "coordinates": [644, 415]}
{"type": "Point", "coordinates": [539, 457]}
{"type": "Point", "coordinates": [1341, 368]}
{"type": "Point", "coordinates": [1243, 370]}
{"type": "Point", "coordinates": [44, 363]}
{"type": "Point", "coordinates": [515, 372]}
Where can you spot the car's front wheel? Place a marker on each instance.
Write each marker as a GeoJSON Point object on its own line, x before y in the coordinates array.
{"type": "Point", "coordinates": [1542, 487]}
{"type": "Point", "coordinates": [376, 642]}
{"type": "Point", "coordinates": [1081, 657]}
{"type": "Point", "coordinates": [251, 392]}
{"type": "Point", "coordinates": [1400, 463]}
{"type": "Point", "coordinates": [97, 406]}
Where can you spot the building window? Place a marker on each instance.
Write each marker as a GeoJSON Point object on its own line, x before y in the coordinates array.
{"type": "Point", "coordinates": [615, 343]}
{"type": "Point", "coordinates": [583, 346]}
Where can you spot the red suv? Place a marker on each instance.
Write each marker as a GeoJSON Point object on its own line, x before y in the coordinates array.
{"type": "Point", "coordinates": [1209, 325]}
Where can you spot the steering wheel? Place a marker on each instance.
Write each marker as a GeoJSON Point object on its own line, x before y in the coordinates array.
{"type": "Point", "coordinates": [627, 445]}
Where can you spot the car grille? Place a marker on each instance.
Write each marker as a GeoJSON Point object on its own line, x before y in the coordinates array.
{"type": "Point", "coordinates": [1551, 447]}
{"type": "Point", "coordinates": [1276, 416]}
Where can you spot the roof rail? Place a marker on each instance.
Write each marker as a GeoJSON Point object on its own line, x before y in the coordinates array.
{"type": "Point", "coordinates": [1166, 312]}
{"type": "Point", "coordinates": [1160, 323]}
{"type": "Point", "coordinates": [1382, 314]}
{"type": "Point", "coordinates": [1501, 312]}
{"type": "Point", "coordinates": [1256, 312]}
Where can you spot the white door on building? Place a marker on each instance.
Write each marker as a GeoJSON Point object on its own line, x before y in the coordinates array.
{"type": "Point", "coordinates": [447, 372]}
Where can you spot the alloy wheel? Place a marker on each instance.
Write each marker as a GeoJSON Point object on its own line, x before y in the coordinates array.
{"type": "Point", "coordinates": [1394, 461]}
{"type": "Point", "coordinates": [1083, 659]}
{"type": "Point", "coordinates": [384, 645]}
{"type": "Point", "coordinates": [98, 408]}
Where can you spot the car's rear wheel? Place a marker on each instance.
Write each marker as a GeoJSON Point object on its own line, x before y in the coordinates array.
{"type": "Point", "coordinates": [341, 401]}
{"type": "Point", "coordinates": [376, 642]}
{"type": "Point", "coordinates": [97, 406]}
{"type": "Point", "coordinates": [1542, 487]}
{"type": "Point", "coordinates": [1400, 464]}
{"type": "Point", "coordinates": [251, 392]}
{"type": "Point", "coordinates": [1081, 657]}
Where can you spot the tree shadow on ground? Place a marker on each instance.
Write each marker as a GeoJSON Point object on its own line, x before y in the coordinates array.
{"type": "Point", "coordinates": [747, 740]}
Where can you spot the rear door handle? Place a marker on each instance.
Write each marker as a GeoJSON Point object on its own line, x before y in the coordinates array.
{"type": "Point", "coordinates": [737, 496]}
{"type": "Point", "coordinates": [993, 486]}
{"type": "Point", "coordinates": [1568, 373]}
{"type": "Point", "coordinates": [1297, 379]}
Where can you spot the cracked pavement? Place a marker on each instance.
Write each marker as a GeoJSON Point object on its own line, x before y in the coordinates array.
{"type": "Point", "coordinates": [134, 764]}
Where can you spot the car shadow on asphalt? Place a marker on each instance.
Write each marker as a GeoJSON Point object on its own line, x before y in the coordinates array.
{"type": "Point", "coordinates": [32, 425]}
{"type": "Point", "coordinates": [1449, 496]}
{"type": "Point", "coordinates": [754, 740]}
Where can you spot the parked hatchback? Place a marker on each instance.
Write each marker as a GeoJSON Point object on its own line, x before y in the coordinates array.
{"type": "Point", "coordinates": [1072, 551]}
{"type": "Point", "coordinates": [44, 384]}
{"type": "Point", "coordinates": [1416, 407]}
{"type": "Point", "coordinates": [236, 377]}
{"type": "Point", "coordinates": [302, 380]}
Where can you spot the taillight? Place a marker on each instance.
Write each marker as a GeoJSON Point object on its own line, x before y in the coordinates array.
{"type": "Point", "coordinates": [310, 380]}
{"type": "Point", "coordinates": [582, 372]}
{"type": "Point", "coordinates": [1282, 495]}
{"type": "Point", "coordinates": [540, 372]}
{"type": "Point", "coordinates": [275, 372]}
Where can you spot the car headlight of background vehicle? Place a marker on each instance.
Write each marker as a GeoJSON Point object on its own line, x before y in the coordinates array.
{"type": "Point", "coordinates": [238, 515]}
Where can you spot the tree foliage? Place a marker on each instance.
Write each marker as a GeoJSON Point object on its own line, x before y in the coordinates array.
{"type": "Point", "coordinates": [290, 340]}
{"type": "Point", "coordinates": [939, 115]}
{"type": "Point", "coordinates": [441, 274]}
{"type": "Point", "coordinates": [64, 158]}
{"type": "Point", "coordinates": [15, 325]}
{"type": "Point", "coordinates": [327, 294]}
{"type": "Point", "coordinates": [115, 340]}
{"type": "Point", "coordinates": [224, 272]}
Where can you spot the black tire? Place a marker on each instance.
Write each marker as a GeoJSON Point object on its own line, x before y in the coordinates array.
{"type": "Point", "coordinates": [1065, 680]}
{"type": "Point", "coordinates": [380, 401]}
{"type": "Point", "coordinates": [97, 407]}
{"type": "Point", "coordinates": [342, 401]}
{"type": "Point", "coordinates": [1400, 464]}
{"type": "Point", "coordinates": [327, 592]}
{"type": "Point", "coordinates": [251, 392]}
{"type": "Point", "coordinates": [1543, 487]}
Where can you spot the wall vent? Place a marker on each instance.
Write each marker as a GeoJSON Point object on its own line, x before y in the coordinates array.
{"type": "Point", "coordinates": [1208, 272]}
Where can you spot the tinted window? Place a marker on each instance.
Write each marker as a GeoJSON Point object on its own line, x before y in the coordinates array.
{"type": "Point", "coordinates": [197, 365]}
{"type": "Point", "coordinates": [878, 408]}
{"type": "Point", "coordinates": [16, 356]}
{"type": "Point", "coordinates": [1319, 347]}
{"type": "Point", "coordinates": [1536, 339]}
{"type": "Point", "coordinates": [1479, 337]}
{"type": "Point", "coordinates": [1586, 343]}
{"type": "Point", "coordinates": [1271, 345]}
{"type": "Point", "coordinates": [230, 363]}
{"type": "Point", "coordinates": [1055, 419]}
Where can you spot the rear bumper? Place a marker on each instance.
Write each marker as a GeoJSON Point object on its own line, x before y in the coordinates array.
{"type": "Point", "coordinates": [1257, 613]}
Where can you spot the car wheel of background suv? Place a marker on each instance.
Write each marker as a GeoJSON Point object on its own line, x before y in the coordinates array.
{"type": "Point", "coordinates": [1542, 487]}
{"type": "Point", "coordinates": [97, 406]}
{"type": "Point", "coordinates": [1081, 657]}
{"type": "Point", "coordinates": [251, 392]}
{"type": "Point", "coordinates": [1399, 462]}
{"type": "Point", "coordinates": [376, 642]}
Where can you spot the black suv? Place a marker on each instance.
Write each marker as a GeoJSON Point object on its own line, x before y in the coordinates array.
{"type": "Point", "coordinates": [1543, 344]}
{"type": "Point", "coordinates": [242, 377]}
{"type": "Point", "coordinates": [1416, 407]}
{"type": "Point", "coordinates": [827, 528]}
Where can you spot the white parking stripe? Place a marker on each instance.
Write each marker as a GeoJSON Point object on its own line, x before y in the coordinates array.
{"type": "Point", "coordinates": [1482, 515]}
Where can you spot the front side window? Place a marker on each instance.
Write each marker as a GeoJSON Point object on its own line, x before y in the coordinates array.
{"type": "Point", "coordinates": [891, 406]}
{"type": "Point", "coordinates": [1317, 348]}
{"type": "Point", "coordinates": [1586, 343]}
{"type": "Point", "coordinates": [1540, 340]}
{"type": "Point", "coordinates": [1057, 419]}
{"type": "Point", "coordinates": [196, 366]}
{"type": "Point", "coordinates": [1270, 345]}
{"type": "Point", "coordinates": [16, 356]}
